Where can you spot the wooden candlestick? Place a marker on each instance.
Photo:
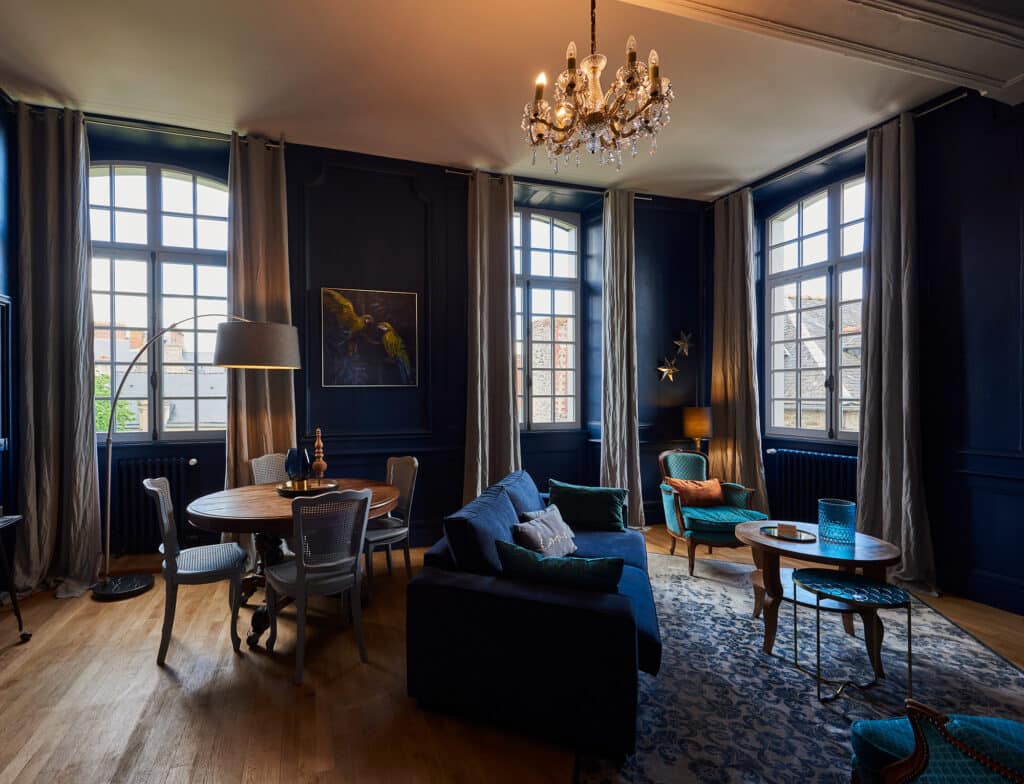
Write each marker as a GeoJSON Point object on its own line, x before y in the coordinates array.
{"type": "Point", "coordinates": [319, 464]}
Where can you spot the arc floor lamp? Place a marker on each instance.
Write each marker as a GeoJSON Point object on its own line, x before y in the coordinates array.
{"type": "Point", "coordinates": [241, 344]}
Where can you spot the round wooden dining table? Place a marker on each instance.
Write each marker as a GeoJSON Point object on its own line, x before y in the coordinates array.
{"type": "Point", "coordinates": [260, 510]}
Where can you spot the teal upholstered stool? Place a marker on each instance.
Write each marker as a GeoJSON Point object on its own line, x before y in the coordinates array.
{"type": "Point", "coordinates": [860, 592]}
{"type": "Point", "coordinates": [709, 525]}
{"type": "Point", "coordinates": [924, 746]}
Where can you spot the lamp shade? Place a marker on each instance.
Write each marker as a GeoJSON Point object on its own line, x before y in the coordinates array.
{"type": "Point", "coordinates": [697, 422]}
{"type": "Point", "coordinates": [258, 345]}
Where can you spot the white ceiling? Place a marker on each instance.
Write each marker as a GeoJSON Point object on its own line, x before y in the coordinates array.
{"type": "Point", "coordinates": [445, 81]}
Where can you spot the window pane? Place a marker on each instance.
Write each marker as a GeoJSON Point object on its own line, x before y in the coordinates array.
{"type": "Point", "coordinates": [849, 318]}
{"type": "Point", "coordinates": [102, 351]}
{"type": "Point", "coordinates": [519, 299]}
{"type": "Point", "coordinates": [849, 416]}
{"type": "Point", "coordinates": [849, 383]}
{"type": "Point", "coordinates": [813, 323]}
{"type": "Point", "coordinates": [565, 382]}
{"type": "Point", "coordinates": [784, 413]}
{"type": "Point", "coordinates": [783, 356]}
{"type": "Point", "coordinates": [175, 309]}
{"type": "Point", "coordinates": [853, 238]}
{"type": "Point", "coordinates": [542, 382]}
{"type": "Point", "coordinates": [849, 350]}
{"type": "Point", "coordinates": [517, 228]}
{"type": "Point", "coordinates": [99, 185]}
{"type": "Point", "coordinates": [815, 249]}
{"type": "Point", "coordinates": [565, 236]}
{"type": "Point", "coordinates": [519, 327]}
{"type": "Point", "coordinates": [853, 201]}
{"type": "Point", "coordinates": [540, 327]}
{"type": "Point", "coordinates": [541, 355]}
{"type": "Point", "coordinates": [785, 257]}
{"type": "Point", "coordinates": [813, 292]}
{"type": "Point", "coordinates": [784, 327]}
{"type": "Point", "coordinates": [783, 298]}
{"type": "Point", "coordinates": [211, 198]}
{"type": "Point", "coordinates": [213, 414]}
{"type": "Point", "coordinates": [565, 303]}
{"type": "Point", "coordinates": [565, 265]}
{"type": "Point", "coordinates": [565, 356]}
{"type": "Point", "coordinates": [99, 224]}
{"type": "Point", "coordinates": [131, 275]}
{"type": "Point", "coordinates": [127, 343]}
{"type": "Point", "coordinates": [517, 260]}
{"type": "Point", "coordinates": [815, 213]}
{"type": "Point", "coordinates": [565, 409]}
{"type": "Point", "coordinates": [100, 274]}
{"type": "Point", "coordinates": [785, 226]}
{"type": "Point", "coordinates": [540, 232]}
{"type": "Point", "coordinates": [178, 381]}
{"type": "Point", "coordinates": [177, 278]}
{"type": "Point", "coordinates": [177, 232]}
{"type": "Point", "coordinates": [205, 342]}
{"type": "Point", "coordinates": [541, 410]}
{"type": "Point", "coordinates": [211, 234]}
{"type": "Point", "coordinates": [812, 416]}
{"type": "Point", "coordinates": [179, 415]}
{"type": "Point", "coordinates": [540, 262]}
{"type": "Point", "coordinates": [137, 385]}
{"type": "Point", "coordinates": [130, 227]}
{"type": "Point", "coordinates": [784, 384]}
{"type": "Point", "coordinates": [132, 416]}
{"type": "Point", "coordinates": [179, 346]}
{"type": "Point", "coordinates": [519, 357]}
{"type": "Point", "coordinates": [131, 310]}
{"type": "Point", "coordinates": [176, 191]}
{"type": "Point", "coordinates": [212, 281]}
{"type": "Point", "coordinates": [812, 354]}
{"type": "Point", "coordinates": [812, 385]}
{"type": "Point", "coordinates": [540, 300]}
{"type": "Point", "coordinates": [130, 187]}
{"type": "Point", "coordinates": [101, 310]}
{"type": "Point", "coordinates": [851, 284]}
{"type": "Point", "coordinates": [101, 374]}
{"type": "Point", "coordinates": [565, 328]}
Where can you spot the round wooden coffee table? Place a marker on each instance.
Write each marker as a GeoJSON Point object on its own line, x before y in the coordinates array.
{"type": "Point", "coordinates": [869, 555]}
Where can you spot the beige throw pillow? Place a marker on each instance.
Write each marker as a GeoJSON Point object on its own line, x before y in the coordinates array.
{"type": "Point", "coordinates": [546, 533]}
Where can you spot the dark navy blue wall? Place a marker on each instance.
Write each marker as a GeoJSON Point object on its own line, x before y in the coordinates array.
{"type": "Point", "coordinates": [8, 364]}
{"type": "Point", "coordinates": [970, 192]}
{"type": "Point", "coordinates": [358, 221]}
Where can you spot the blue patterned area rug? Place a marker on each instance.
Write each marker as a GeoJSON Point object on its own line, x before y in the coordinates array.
{"type": "Point", "coordinates": [721, 710]}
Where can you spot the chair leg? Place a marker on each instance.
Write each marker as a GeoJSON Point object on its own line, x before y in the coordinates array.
{"type": "Point", "coordinates": [271, 595]}
{"type": "Point", "coordinates": [170, 602]}
{"type": "Point", "coordinates": [672, 546]}
{"type": "Point", "coordinates": [235, 596]}
{"type": "Point", "coordinates": [387, 554]}
{"type": "Point", "coordinates": [691, 551]}
{"type": "Point", "coordinates": [357, 620]}
{"type": "Point", "coordinates": [408, 560]}
{"type": "Point", "coordinates": [369, 569]}
{"type": "Point", "coordinates": [300, 636]}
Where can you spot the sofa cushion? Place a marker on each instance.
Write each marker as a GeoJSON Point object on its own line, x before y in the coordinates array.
{"type": "Point", "coordinates": [545, 533]}
{"type": "Point", "coordinates": [718, 519]}
{"type": "Point", "coordinates": [628, 545]}
{"type": "Point", "coordinates": [637, 587]}
{"type": "Point", "coordinates": [439, 555]}
{"type": "Point", "coordinates": [590, 508]}
{"type": "Point", "coordinates": [523, 492]}
{"type": "Point", "coordinates": [473, 530]}
{"type": "Point", "coordinates": [589, 574]}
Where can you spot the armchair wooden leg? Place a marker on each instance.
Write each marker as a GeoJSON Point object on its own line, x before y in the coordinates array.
{"type": "Point", "coordinates": [691, 551]}
{"type": "Point", "coordinates": [672, 546]}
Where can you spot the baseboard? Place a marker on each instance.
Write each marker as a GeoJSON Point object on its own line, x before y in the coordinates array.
{"type": "Point", "coordinates": [997, 590]}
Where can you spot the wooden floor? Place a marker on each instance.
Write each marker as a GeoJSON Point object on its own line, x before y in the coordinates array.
{"type": "Point", "coordinates": [84, 701]}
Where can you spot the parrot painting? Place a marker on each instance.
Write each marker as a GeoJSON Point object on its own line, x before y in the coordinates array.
{"type": "Point", "coordinates": [394, 346]}
{"type": "Point", "coordinates": [350, 322]}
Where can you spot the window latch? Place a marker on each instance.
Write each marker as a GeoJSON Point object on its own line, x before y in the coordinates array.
{"type": "Point", "coordinates": [830, 383]}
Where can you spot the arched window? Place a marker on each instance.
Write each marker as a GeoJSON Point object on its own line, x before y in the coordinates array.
{"type": "Point", "coordinates": [813, 294]}
{"type": "Point", "coordinates": [159, 255]}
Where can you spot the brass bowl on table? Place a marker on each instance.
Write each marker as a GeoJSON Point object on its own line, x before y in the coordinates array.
{"type": "Point", "coordinates": [305, 487]}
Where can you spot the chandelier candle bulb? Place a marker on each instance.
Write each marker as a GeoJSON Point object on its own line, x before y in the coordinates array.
{"type": "Point", "coordinates": [631, 51]}
{"type": "Point", "coordinates": [570, 56]}
{"type": "Point", "coordinates": [655, 65]}
{"type": "Point", "coordinates": [538, 94]}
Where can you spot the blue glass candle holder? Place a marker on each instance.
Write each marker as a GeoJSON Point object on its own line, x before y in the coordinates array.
{"type": "Point", "coordinates": [837, 520]}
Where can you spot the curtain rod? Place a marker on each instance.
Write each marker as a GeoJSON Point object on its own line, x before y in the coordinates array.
{"type": "Point", "coordinates": [171, 130]}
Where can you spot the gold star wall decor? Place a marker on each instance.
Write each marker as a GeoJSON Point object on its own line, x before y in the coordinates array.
{"type": "Point", "coordinates": [683, 343]}
{"type": "Point", "coordinates": [668, 369]}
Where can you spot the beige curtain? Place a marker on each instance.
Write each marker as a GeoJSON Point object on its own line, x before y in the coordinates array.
{"type": "Point", "coordinates": [620, 432]}
{"type": "Point", "coordinates": [492, 427]}
{"type": "Point", "coordinates": [58, 489]}
{"type": "Point", "coordinates": [734, 454]}
{"type": "Point", "coordinates": [261, 403]}
{"type": "Point", "coordinates": [890, 490]}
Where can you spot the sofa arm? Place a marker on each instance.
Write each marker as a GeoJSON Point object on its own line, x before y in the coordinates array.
{"type": "Point", "coordinates": [736, 495]}
{"type": "Point", "coordinates": [559, 662]}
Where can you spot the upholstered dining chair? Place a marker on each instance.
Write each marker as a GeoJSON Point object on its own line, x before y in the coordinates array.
{"type": "Point", "coordinates": [328, 532]}
{"type": "Point", "coordinates": [710, 525]}
{"type": "Point", "coordinates": [393, 529]}
{"type": "Point", "coordinates": [268, 468]}
{"type": "Point", "coordinates": [193, 566]}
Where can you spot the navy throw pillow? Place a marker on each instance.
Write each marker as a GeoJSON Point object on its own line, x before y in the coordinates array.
{"type": "Point", "coordinates": [589, 508]}
{"type": "Point", "coordinates": [590, 574]}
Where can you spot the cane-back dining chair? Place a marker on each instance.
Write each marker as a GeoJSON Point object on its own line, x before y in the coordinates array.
{"type": "Point", "coordinates": [328, 533]}
{"type": "Point", "coordinates": [710, 525]}
{"type": "Point", "coordinates": [268, 468]}
{"type": "Point", "coordinates": [193, 566]}
{"type": "Point", "coordinates": [393, 528]}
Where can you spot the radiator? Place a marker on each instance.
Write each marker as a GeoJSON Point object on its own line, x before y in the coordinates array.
{"type": "Point", "coordinates": [797, 479]}
{"type": "Point", "coordinates": [134, 526]}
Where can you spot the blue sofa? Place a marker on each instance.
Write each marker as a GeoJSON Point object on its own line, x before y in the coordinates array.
{"type": "Point", "coordinates": [553, 661]}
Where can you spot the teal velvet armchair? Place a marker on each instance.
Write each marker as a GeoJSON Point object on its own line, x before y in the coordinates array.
{"type": "Point", "coordinates": [710, 525]}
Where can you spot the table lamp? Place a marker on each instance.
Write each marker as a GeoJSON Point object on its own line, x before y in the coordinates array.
{"type": "Point", "coordinates": [240, 344]}
{"type": "Point", "coordinates": [697, 424]}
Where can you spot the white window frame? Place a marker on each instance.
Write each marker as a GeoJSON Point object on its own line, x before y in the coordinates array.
{"type": "Point", "coordinates": [525, 280]}
{"type": "Point", "coordinates": [155, 253]}
{"type": "Point", "coordinates": [832, 267]}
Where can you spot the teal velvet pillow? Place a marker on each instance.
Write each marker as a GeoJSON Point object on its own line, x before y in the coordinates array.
{"type": "Point", "coordinates": [591, 574]}
{"type": "Point", "coordinates": [589, 508]}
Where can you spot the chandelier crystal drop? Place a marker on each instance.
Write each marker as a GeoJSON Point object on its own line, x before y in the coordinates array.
{"type": "Point", "coordinates": [586, 117]}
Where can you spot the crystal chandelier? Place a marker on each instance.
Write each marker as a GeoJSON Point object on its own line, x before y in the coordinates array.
{"type": "Point", "coordinates": [635, 106]}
